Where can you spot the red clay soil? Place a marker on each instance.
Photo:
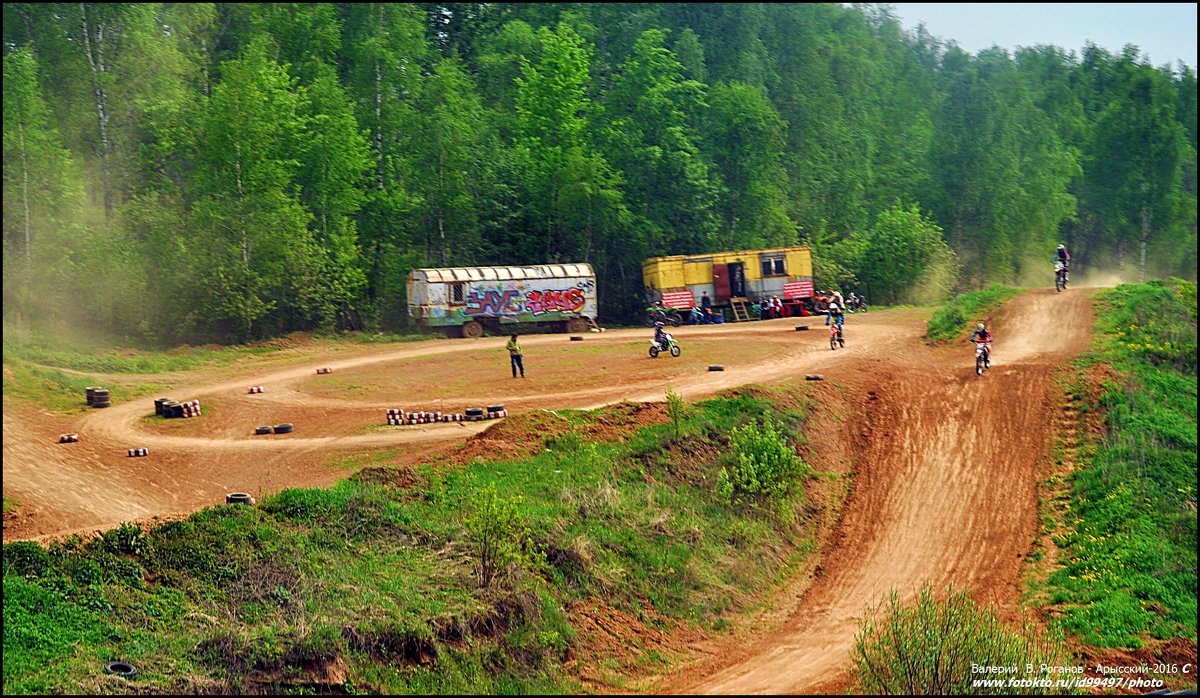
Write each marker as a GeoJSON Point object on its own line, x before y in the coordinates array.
{"type": "Point", "coordinates": [945, 463]}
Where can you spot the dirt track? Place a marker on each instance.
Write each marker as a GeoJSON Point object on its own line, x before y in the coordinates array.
{"type": "Point", "coordinates": [945, 492]}
{"type": "Point", "coordinates": [945, 476]}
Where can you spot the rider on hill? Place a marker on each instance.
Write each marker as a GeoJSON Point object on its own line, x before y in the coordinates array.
{"type": "Point", "coordinates": [1065, 257]}
{"type": "Point", "coordinates": [982, 335]}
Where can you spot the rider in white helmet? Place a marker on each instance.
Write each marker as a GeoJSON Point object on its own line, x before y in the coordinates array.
{"type": "Point", "coordinates": [982, 335]}
{"type": "Point", "coordinates": [1061, 255]}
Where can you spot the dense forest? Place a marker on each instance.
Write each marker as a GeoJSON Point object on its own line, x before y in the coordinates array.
{"type": "Point", "coordinates": [224, 172]}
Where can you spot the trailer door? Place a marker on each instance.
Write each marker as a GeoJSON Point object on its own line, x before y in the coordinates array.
{"type": "Point", "coordinates": [721, 282]}
{"type": "Point", "coordinates": [737, 280]}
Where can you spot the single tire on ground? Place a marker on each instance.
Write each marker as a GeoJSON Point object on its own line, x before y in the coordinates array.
{"type": "Point", "coordinates": [263, 430]}
{"type": "Point", "coordinates": [285, 428]}
{"type": "Point", "coordinates": [576, 338]}
{"type": "Point", "coordinates": [121, 669]}
{"type": "Point", "coordinates": [801, 328]}
{"type": "Point", "coordinates": [238, 498]}
{"type": "Point", "coordinates": [814, 377]}
{"type": "Point", "coordinates": [716, 367]}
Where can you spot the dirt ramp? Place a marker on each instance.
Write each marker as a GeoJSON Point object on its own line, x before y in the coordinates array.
{"type": "Point", "coordinates": [945, 493]}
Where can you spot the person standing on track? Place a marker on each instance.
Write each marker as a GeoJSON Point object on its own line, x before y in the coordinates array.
{"type": "Point", "coordinates": [514, 356]}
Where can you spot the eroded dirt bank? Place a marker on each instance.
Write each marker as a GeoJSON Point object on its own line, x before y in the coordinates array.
{"type": "Point", "coordinates": [945, 493]}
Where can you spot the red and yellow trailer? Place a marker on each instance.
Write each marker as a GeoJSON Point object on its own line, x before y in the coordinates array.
{"type": "Point", "coordinates": [745, 276]}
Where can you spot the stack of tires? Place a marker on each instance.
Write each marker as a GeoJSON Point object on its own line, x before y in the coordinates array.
{"type": "Point", "coordinates": [138, 452]}
{"type": "Point", "coordinates": [422, 417]}
{"type": "Point", "coordinates": [255, 389]}
{"type": "Point", "coordinates": [68, 438]}
{"type": "Point", "coordinates": [395, 416]}
{"type": "Point", "coordinates": [170, 409]}
{"type": "Point", "coordinates": [98, 397]}
{"type": "Point", "coordinates": [496, 411]}
{"type": "Point", "coordinates": [473, 414]}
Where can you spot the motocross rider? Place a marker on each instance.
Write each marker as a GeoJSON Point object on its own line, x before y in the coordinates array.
{"type": "Point", "coordinates": [982, 335]}
{"type": "Point", "coordinates": [1065, 257]}
{"type": "Point", "coordinates": [660, 335]}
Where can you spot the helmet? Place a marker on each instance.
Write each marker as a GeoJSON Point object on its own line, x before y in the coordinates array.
{"type": "Point", "coordinates": [658, 324]}
{"type": "Point", "coordinates": [1061, 247]}
{"type": "Point", "coordinates": [981, 325]}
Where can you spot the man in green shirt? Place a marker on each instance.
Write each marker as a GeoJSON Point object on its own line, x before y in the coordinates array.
{"type": "Point", "coordinates": [514, 355]}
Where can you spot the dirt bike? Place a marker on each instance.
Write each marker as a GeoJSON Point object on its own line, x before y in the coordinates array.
{"type": "Point", "coordinates": [667, 316]}
{"type": "Point", "coordinates": [837, 338]}
{"type": "Point", "coordinates": [983, 355]}
{"type": "Point", "coordinates": [668, 344]}
{"type": "Point", "coordinates": [1060, 276]}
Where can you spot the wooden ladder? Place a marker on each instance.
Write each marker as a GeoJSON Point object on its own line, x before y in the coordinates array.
{"type": "Point", "coordinates": [740, 312]}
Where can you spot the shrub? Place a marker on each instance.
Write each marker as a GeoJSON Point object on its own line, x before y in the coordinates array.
{"type": "Point", "coordinates": [26, 559]}
{"type": "Point", "coordinates": [764, 464]}
{"type": "Point", "coordinates": [128, 538]}
{"type": "Point", "coordinates": [928, 648]}
{"type": "Point", "coordinates": [676, 409]}
{"type": "Point", "coordinates": [495, 527]}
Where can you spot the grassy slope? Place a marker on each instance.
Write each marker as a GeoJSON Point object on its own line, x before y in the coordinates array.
{"type": "Point", "coordinates": [1127, 530]}
{"type": "Point", "coordinates": [384, 575]}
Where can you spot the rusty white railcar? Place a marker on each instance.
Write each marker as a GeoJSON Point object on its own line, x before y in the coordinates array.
{"type": "Point", "coordinates": [466, 301]}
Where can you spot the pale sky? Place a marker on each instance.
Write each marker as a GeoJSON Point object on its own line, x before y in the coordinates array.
{"type": "Point", "coordinates": [1164, 32]}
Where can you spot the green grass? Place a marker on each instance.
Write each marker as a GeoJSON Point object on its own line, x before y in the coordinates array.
{"type": "Point", "coordinates": [957, 317]}
{"type": "Point", "coordinates": [1130, 564]}
{"type": "Point", "coordinates": [387, 577]}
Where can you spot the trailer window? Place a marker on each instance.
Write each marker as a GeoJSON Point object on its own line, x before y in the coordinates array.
{"type": "Point", "coordinates": [773, 266]}
{"type": "Point", "coordinates": [456, 293]}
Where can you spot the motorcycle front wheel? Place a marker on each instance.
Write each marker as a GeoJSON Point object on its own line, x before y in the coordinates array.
{"type": "Point", "coordinates": [675, 351]}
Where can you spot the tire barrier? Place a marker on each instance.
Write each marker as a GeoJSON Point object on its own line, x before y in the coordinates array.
{"type": "Point", "coordinates": [170, 409]}
{"type": "Point", "coordinates": [577, 338]}
{"type": "Point", "coordinates": [716, 368]}
{"type": "Point", "coordinates": [263, 430]}
{"type": "Point", "coordinates": [121, 669]}
{"type": "Point", "coordinates": [255, 389]}
{"type": "Point", "coordinates": [284, 428]}
{"type": "Point", "coordinates": [91, 393]}
{"type": "Point", "coordinates": [138, 452]}
{"type": "Point", "coordinates": [801, 328]}
{"type": "Point", "coordinates": [100, 398]}
{"type": "Point", "coordinates": [397, 417]}
{"type": "Point", "coordinates": [239, 498]}
{"type": "Point", "coordinates": [324, 370]}
{"type": "Point", "coordinates": [68, 438]}
{"type": "Point", "coordinates": [814, 377]}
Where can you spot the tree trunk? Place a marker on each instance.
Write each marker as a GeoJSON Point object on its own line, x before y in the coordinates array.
{"type": "Point", "coordinates": [95, 57]}
{"type": "Point", "coordinates": [379, 125]}
{"type": "Point", "coordinates": [27, 223]}
{"type": "Point", "coordinates": [1145, 238]}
